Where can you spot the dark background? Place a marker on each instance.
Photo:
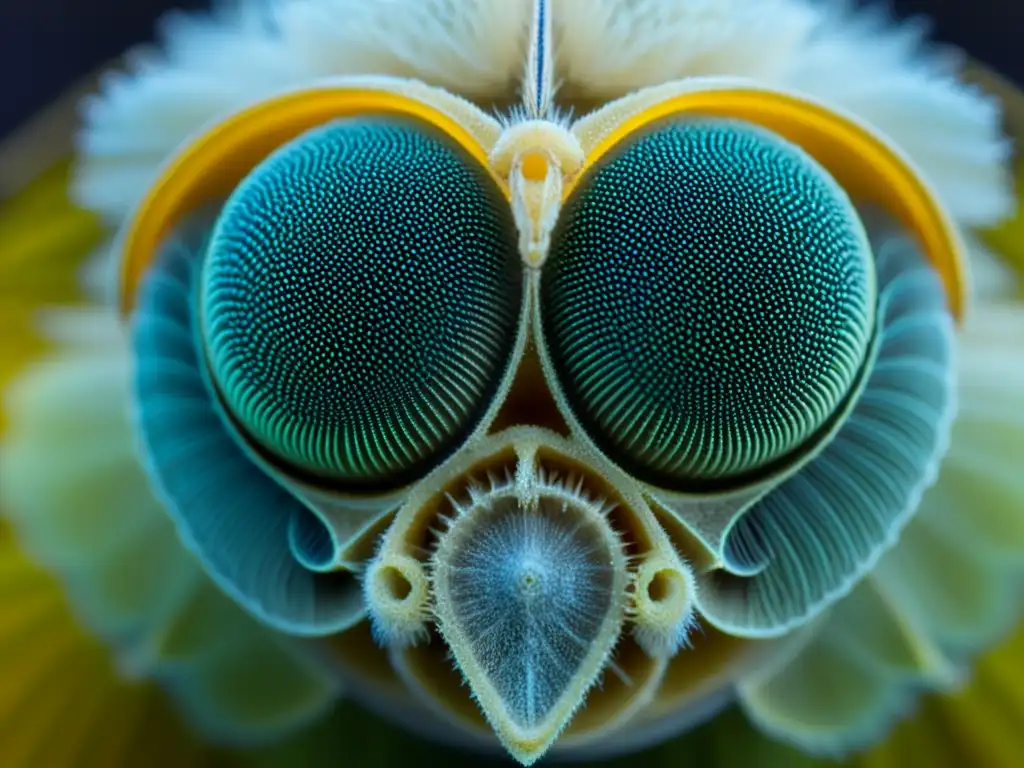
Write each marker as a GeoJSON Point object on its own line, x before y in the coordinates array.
{"type": "Point", "coordinates": [45, 45]}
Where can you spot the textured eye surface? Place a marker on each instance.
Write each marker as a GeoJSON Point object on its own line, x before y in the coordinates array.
{"type": "Point", "coordinates": [360, 298]}
{"type": "Point", "coordinates": [707, 302]}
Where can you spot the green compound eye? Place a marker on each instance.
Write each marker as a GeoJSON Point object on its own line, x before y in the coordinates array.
{"type": "Point", "coordinates": [707, 302]}
{"type": "Point", "coordinates": [360, 299]}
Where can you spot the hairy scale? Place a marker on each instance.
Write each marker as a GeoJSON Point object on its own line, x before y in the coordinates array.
{"type": "Point", "coordinates": [532, 590]}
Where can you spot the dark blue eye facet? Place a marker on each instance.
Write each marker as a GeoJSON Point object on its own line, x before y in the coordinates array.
{"type": "Point", "coordinates": [359, 300]}
{"type": "Point", "coordinates": [707, 303]}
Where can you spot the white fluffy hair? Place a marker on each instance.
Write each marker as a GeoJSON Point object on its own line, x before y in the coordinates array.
{"type": "Point", "coordinates": [210, 64]}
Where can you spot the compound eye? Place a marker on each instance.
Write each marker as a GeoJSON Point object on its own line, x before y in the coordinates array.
{"type": "Point", "coordinates": [359, 300]}
{"type": "Point", "coordinates": [708, 302]}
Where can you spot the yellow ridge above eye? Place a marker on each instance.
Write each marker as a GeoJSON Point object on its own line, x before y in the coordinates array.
{"type": "Point", "coordinates": [215, 163]}
{"type": "Point", "coordinates": [867, 166]}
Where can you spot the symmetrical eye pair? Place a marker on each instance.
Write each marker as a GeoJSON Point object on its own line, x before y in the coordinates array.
{"type": "Point", "coordinates": [362, 292]}
{"type": "Point", "coordinates": [337, 301]}
{"type": "Point", "coordinates": [339, 336]}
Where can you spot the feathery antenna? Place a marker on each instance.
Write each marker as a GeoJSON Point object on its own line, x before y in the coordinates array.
{"type": "Point", "coordinates": [539, 81]}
